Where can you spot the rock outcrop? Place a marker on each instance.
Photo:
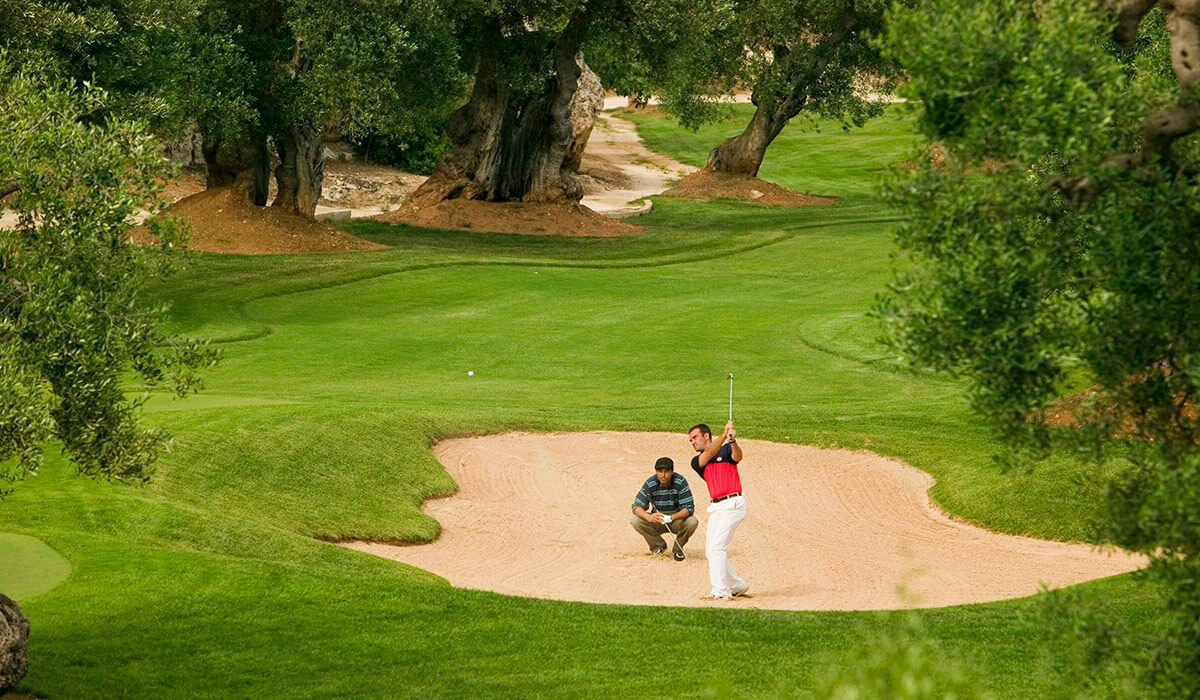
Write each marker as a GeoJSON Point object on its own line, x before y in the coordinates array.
{"type": "Point", "coordinates": [585, 107]}
{"type": "Point", "coordinates": [14, 644]}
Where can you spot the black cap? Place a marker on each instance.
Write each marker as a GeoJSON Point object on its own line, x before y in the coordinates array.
{"type": "Point", "coordinates": [664, 463]}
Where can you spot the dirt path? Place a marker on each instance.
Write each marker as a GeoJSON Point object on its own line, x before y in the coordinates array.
{"type": "Point", "coordinates": [617, 169]}
{"type": "Point", "coordinates": [624, 169]}
{"type": "Point", "coordinates": [547, 515]}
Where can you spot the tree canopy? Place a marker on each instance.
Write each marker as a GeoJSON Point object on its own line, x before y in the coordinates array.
{"type": "Point", "coordinates": [795, 57]}
{"type": "Point", "coordinates": [1046, 302]}
{"type": "Point", "coordinates": [287, 70]}
{"type": "Point", "coordinates": [134, 49]}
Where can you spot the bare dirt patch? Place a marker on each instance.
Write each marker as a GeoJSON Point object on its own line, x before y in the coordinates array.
{"type": "Point", "coordinates": [223, 221]}
{"type": "Point", "coordinates": [513, 217]}
{"type": "Point", "coordinates": [189, 182]}
{"type": "Point", "coordinates": [1090, 405]}
{"type": "Point", "coordinates": [707, 184]}
{"type": "Point", "coordinates": [547, 516]}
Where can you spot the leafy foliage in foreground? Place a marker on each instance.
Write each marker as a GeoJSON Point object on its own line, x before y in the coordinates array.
{"type": "Point", "coordinates": [1027, 294]}
{"type": "Point", "coordinates": [71, 319]}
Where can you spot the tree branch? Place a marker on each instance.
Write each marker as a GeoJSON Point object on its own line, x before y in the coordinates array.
{"type": "Point", "coordinates": [1162, 129]}
{"type": "Point", "coordinates": [1129, 16]}
{"type": "Point", "coordinates": [12, 298]}
{"type": "Point", "coordinates": [818, 60]}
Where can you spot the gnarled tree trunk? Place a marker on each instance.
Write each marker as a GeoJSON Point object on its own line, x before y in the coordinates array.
{"type": "Point", "coordinates": [511, 146]}
{"type": "Point", "coordinates": [743, 154]}
{"type": "Point", "coordinates": [301, 169]}
{"type": "Point", "coordinates": [242, 163]}
{"type": "Point", "coordinates": [1163, 128]}
{"type": "Point", "coordinates": [586, 104]}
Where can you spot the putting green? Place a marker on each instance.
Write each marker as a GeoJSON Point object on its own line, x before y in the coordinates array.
{"type": "Point", "coordinates": [29, 566]}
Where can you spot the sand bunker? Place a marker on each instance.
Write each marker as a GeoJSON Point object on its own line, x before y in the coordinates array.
{"type": "Point", "coordinates": [547, 516]}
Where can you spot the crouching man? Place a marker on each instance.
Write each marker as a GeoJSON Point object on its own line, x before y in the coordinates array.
{"type": "Point", "coordinates": [670, 498]}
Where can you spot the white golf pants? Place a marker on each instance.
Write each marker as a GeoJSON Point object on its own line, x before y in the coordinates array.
{"type": "Point", "coordinates": [723, 519]}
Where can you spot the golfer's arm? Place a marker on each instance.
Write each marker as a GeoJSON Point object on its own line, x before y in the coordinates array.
{"type": "Point", "coordinates": [735, 451]}
{"type": "Point", "coordinates": [680, 515]}
{"type": "Point", "coordinates": [643, 514]}
{"type": "Point", "coordinates": [714, 446]}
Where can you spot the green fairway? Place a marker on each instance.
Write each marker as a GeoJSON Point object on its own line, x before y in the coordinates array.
{"type": "Point", "coordinates": [338, 371]}
{"type": "Point", "coordinates": [815, 156]}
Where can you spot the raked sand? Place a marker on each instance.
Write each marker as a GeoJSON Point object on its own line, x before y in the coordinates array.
{"type": "Point", "coordinates": [547, 516]}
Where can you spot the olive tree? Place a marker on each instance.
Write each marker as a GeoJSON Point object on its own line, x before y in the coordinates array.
{"type": "Point", "coordinates": [72, 322]}
{"type": "Point", "coordinates": [510, 139]}
{"type": "Point", "coordinates": [797, 57]}
{"type": "Point", "coordinates": [1030, 291]}
{"type": "Point", "coordinates": [811, 57]}
{"type": "Point", "coordinates": [279, 72]}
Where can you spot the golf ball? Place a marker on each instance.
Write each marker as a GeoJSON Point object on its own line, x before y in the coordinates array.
{"type": "Point", "coordinates": [470, 373]}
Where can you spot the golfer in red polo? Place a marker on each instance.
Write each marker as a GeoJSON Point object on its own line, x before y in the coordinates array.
{"type": "Point", "coordinates": [717, 464]}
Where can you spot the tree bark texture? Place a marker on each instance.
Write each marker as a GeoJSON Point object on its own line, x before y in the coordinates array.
{"type": "Point", "coordinates": [301, 170]}
{"type": "Point", "coordinates": [510, 146]}
{"type": "Point", "coordinates": [242, 163]}
{"type": "Point", "coordinates": [1161, 129]}
{"type": "Point", "coordinates": [585, 106]}
{"type": "Point", "coordinates": [743, 154]}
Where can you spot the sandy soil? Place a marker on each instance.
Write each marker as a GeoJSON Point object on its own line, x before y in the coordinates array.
{"type": "Point", "coordinates": [618, 168]}
{"type": "Point", "coordinates": [513, 217]}
{"type": "Point", "coordinates": [366, 188]}
{"type": "Point", "coordinates": [224, 222]}
{"type": "Point", "coordinates": [547, 515]}
{"type": "Point", "coordinates": [707, 184]}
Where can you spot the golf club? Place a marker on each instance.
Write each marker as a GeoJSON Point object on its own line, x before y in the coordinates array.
{"type": "Point", "coordinates": [731, 396]}
{"type": "Point", "coordinates": [676, 542]}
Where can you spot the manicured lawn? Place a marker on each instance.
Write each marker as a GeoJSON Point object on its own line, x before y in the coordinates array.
{"type": "Point", "coordinates": [810, 155]}
{"type": "Point", "coordinates": [31, 567]}
{"type": "Point", "coordinates": [339, 370]}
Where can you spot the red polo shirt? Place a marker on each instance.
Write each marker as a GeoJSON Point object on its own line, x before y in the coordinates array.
{"type": "Point", "coordinates": [720, 474]}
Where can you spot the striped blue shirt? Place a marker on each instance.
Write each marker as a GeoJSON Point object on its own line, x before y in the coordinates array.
{"type": "Point", "coordinates": [667, 499]}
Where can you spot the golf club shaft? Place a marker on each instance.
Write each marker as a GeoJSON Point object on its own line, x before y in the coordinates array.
{"type": "Point", "coordinates": [676, 542]}
{"type": "Point", "coordinates": [731, 396]}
